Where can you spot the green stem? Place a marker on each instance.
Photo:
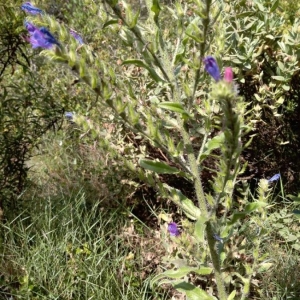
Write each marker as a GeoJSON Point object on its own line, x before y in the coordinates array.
{"type": "Point", "coordinates": [194, 168]}
{"type": "Point", "coordinates": [205, 23]}
{"type": "Point", "coordinates": [216, 262]}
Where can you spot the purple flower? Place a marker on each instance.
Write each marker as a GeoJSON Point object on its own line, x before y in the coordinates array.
{"type": "Point", "coordinates": [30, 27]}
{"type": "Point", "coordinates": [173, 230]}
{"type": "Point", "coordinates": [30, 9]}
{"type": "Point", "coordinates": [40, 37]}
{"type": "Point", "coordinates": [212, 68]}
{"type": "Point", "coordinates": [77, 36]}
{"type": "Point", "coordinates": [228, 75]}
{"type": "Point", "coordinates": [274, 178]}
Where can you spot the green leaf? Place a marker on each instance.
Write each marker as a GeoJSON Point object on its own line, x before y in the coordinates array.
{"type": "Point", "coordinates": [187, 205]}
{"type": "Point", "coordinates": [296, 246]}
{"type": "Point", "coordinates": [157, 167]}
{"type": "Point", "coordinates": [274, 5]}
{"type": "Point", "coordinates": [232, 295]}
{"type": "Point", "coordinates": [192, 292]}
{"type": "Point", "coordinates": [176, 274]}
{"type": "Point", "coordinates": [200, 228]}
{"type": "Point", "coordinates": [156, 9]}
{"type": "Point", "coordinates": [172, 106]}
{"type": "Point", "coordinates": [253, 206]}
{"type": "Point", "coordinates": [260, 6]}
{"type": "Point", "coordinates": [211, 145]}
{"type": "Point", "coordinates": [204, 271]}
{"type": "Point", "coordinates": [110, 22]}
{"type": "Point", "coordinates": [294, 198]}
{"type": "Point", "coordinates": [142, 64]}
{"type": "Point", "coordinates": [135, 18]}
{"type": "Point", "coordinates": [279, 78]}
{"type": "Point", "coordinates": [264, 266]}
{"type": "Point", "coordinates": [236, 216]}
{"type": "Point", "coordinates": [281, 65]}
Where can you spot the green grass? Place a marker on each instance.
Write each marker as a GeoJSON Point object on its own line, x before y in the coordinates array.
{"type": "Point", "coordinates": [60, 249]}
{"type": "Point", "coordinates": [67, 239]}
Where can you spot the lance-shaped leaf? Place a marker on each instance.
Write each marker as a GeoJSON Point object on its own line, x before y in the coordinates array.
{"type": "Point", "coordinates": [156, 9]}
{"type": "Point", "coordinates": [110, 22]}
{"type": "Point", "coordinates": [232, 295]}
{"type": "Point", "coordinates": [158, 167]}
{"type": "Point", "coordinates": [236, 216]}
{"type": "Point", "coordinates": [200, 228]}
{"type": "Point", "coordinates": [186, 204]}
{"type": "Point", "coordinates": [255, 205]}
{"type": "Point", "coordinates": [140, 63]}
{"type": "Point", "coordinates": [181, 272]}
{"type": "Point", "coordinates": [211, 145]}
{"type": "Point", "coordinates": [173, 106]}
{"type": "Point", "coordinates": [192, 292]}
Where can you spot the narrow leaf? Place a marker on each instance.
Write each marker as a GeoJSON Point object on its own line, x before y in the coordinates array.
{"type": "Point", "coordinates": [279, 78]}
{"type": "Point", "coordinates": [232, 295]}
{"type": "Point", "coordinates": [110, 22]}
{"type": "Point", "coordinates": [156, 9]}
{"type": "Point", "coordinates": [157, 167]}
{"type": "Point", "coordinates": [192, 292]}
{"type": "Point", "coordinates": [172, 106]}
{"type": "Point", "coordinates": [187, 205]}
{"type": "Point", "coordinates": [200, 228]}
{"type": "Point", "coordinates": [211, 145]}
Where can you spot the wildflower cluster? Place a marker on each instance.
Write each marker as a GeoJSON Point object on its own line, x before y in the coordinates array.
{"type": "Point", "coordinates": [42, 37]}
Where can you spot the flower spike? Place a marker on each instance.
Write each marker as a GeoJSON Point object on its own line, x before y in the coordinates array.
{"type": "Point", "coordinates": [212, 68]}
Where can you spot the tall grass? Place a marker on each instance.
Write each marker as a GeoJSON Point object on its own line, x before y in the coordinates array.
{"type": "Point", "coordinates": [60, 249]}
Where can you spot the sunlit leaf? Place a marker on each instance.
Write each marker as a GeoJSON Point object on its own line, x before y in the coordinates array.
{"type": "Point", "coordinates": [172, 106]}
{"type": "Point", "coordinates": [200, 228]}
{"type": "Point", "coordinates": [157, 167]}
{"type": "Point", "coordinates": [192, 292]}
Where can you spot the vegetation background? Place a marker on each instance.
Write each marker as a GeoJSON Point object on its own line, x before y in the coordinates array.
{"type": "Point", "coordinates": [76, 221]}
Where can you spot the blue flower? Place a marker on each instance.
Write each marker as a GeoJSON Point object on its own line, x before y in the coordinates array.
{"type": "Point", "coordinates": [274, 178]}
{"type": "Point", "coordinates": [173, 229]}
{"type": "Point", "coordinates": [30, 9]}
{"type": "Point", "coordinates": [77, 36]}
{"type": "Point", "coordinates": [40, 37]}
{"type": "Point", "coordinates": [212, 68]}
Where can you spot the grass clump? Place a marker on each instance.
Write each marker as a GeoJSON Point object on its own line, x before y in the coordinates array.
{"type": "Point", "coordinates": [60, 249]}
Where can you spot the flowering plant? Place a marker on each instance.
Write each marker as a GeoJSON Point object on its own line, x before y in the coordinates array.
{"type": "Point", "coordinates": [191, 121]}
